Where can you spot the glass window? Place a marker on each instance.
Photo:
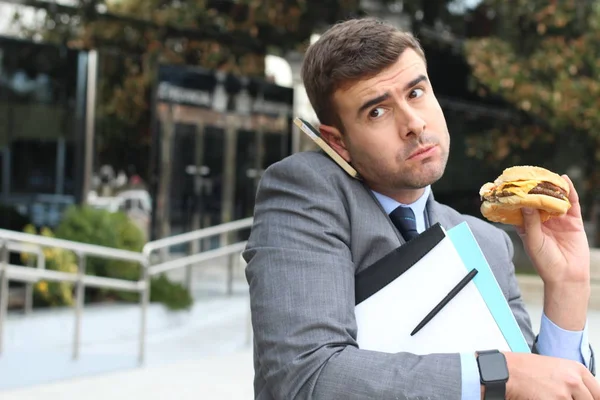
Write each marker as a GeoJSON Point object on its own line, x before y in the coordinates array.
{"type": "Point", "coordinates": [38, 127]}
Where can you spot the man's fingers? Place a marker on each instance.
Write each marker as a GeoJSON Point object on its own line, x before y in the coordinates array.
{"type": "Point", "coordinates": [582, 393]}
{"type": "Point", "coordinates": [573, 198]}
{"type": "Point", "coordinates": [531, 218]}
{"type": "Point", "coordinates": [532, 235]}
{"type": "Point", "coordinates": [592, 385]}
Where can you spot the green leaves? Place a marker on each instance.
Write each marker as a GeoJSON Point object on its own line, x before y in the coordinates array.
{"type": "Point", "coordinates": [555, 82]}
{"type": "Point", "coordinates": [232, 36]}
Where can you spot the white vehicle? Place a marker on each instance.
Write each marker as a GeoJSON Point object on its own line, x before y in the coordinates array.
{"type": "Point", "coordinates": [137, 204]}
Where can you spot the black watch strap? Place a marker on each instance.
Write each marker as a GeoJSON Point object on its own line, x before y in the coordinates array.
{"type": "Point", "coordinates": [494, 391]}
{"type": "Point", "coordinates": [493, 374]}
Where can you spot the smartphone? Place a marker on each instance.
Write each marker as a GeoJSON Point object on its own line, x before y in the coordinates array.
{"type": "Point", "coordinates": [315, 135]}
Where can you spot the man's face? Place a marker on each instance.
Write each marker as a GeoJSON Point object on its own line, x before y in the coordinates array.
{"type": "Point", "coordinates": [395, 133]}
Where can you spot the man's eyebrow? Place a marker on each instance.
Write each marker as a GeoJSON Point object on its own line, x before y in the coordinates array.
{"type": "Point", "coordinates": [386, 95]}
{"type": "Point", "coordinates": [414, 82]}
{"type": "Point", "coordinates": [372, 102]}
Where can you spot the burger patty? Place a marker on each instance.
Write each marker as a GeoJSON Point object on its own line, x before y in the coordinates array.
{"type": "Point", "coordinates": [545, 188]}
{"type": "Point", "coordinates": [549, 189]}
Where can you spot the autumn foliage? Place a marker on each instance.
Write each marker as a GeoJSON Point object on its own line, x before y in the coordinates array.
{"type": "Point", "coordinates": [544, 62]}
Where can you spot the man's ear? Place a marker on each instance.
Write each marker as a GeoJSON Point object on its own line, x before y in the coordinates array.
{"type": "Point", "coordinates": [334, 138]}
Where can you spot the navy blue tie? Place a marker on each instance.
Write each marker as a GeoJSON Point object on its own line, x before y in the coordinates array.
{"type": "Point", "coordinates": [404, 219]}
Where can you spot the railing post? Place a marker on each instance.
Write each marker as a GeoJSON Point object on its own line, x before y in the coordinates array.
{"type": "Point", "coordinates": [28, 298]}
{"type": "Point", "coordinates": [230, 266]}
{"type": "Point", "coordinates": [144, 301]}
{"type": "Point", "coordinates": [187, 277]}
{"type": "Point", "coordinates": [79, 301]}
{"type": "Point", "coordinates": [3, 289]}
{"type": "Point", "coordinates": [40, 264]}
{"type": "Point", "coordinates": [193, 248]}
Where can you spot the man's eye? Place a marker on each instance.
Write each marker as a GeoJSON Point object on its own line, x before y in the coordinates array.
{"type": "Point", "coordinates": [415, 93]}
{"type": "Point", "coordinates": [376, 112]}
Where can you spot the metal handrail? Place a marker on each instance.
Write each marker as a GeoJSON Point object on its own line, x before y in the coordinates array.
{"type": "Point", "coordinates": [88, 249]}
{"type": "Point", "coordinates": [197, 235]}
{"type": "Point", "coordinates": [23, 242]}
{"type": "Point", "coordinates": [188, 261]}
{"type": "Point", "coordinates": [82, 250]}
{"type": "Point", "coordinates": [38, 251]}
{"type": "Point", "coordinates": [196, 258]}
{"type": "Point", "coordinates": [25, 274]}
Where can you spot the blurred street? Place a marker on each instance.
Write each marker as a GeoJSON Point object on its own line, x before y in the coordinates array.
{"type": "Point", "coordinates": [203, 354]}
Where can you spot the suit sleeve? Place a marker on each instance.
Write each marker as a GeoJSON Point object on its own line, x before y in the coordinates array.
{"type": "Point", "coordinates": [301, 278]}
{"type": "Point", "coordinates": [514, 298]}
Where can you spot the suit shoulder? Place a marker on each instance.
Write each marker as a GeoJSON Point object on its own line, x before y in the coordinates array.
{"type": "Point", "coordinates": [478, 225]}
{"type": "Point", "coordinates": [311, 163]}
{"type": "Point", "coordinates": [306, 158]}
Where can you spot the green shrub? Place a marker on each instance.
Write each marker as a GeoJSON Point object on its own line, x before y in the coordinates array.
{"type": "Point", "coordinates": [173, 295]}
{"type": "Point", "coordinates": [104, 228]}
{"type": "Point", "coordinates": [49, 292]}
{"type": "Point", "coordinates": [100, 227]}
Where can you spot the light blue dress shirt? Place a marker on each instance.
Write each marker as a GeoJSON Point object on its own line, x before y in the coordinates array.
{"type": "Point", "coordinates": [552, 340]}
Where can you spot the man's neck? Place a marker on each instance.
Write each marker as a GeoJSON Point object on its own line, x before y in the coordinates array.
{"type": "Point", "coordinates": [405, 197]}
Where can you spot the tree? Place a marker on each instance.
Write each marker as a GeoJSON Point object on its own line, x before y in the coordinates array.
{"type": "Point", "coordinates": [543, 60]}
{"type": "Point", "coordinates": [135, 35]}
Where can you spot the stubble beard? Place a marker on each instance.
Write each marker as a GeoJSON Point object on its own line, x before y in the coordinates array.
{"type": "Point", "coordinates": [388, 181]}
{"type": "Point", "coordinates": [429, 172]}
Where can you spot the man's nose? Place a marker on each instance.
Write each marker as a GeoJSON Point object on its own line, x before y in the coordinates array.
{"type": "Point", "coordinates": [411, 123]}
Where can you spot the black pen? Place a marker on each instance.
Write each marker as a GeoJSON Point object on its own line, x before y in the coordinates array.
{"type": "Point", "coordinates": [445, 300]}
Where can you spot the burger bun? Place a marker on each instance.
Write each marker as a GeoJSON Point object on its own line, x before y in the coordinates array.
{"type": "Point", "coordinates": [507, 210]}
{"type": "Point", "coordinates": [511, 213]}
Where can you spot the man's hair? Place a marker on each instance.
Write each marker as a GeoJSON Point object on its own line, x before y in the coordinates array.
{"type": "Point", "coordinates": [347, 52]}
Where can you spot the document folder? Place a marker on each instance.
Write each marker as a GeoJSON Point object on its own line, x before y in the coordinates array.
{"type": "Point", "coordinates": [398, 291]}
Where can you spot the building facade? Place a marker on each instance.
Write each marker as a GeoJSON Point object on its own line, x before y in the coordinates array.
{"type": "Point", "coordinates": [42, 115]}
{"type": "Point", "coordinates": [214, 135]}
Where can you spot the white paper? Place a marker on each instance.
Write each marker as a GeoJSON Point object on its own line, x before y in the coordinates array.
{"type": "Point", "coordinates": [386, 319]}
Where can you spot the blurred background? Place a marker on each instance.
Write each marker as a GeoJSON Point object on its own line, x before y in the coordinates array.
{"type": "Point", "coordinates": [142, 128]}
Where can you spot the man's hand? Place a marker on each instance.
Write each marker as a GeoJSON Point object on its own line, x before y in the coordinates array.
{"type": "Point", "coordinates": [560, 253]}
{"type": "Point", "coordinates": [531, 376]}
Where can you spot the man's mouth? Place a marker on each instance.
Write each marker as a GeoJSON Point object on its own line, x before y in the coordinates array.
{"type": "Point", "coordinates": [422, 152]}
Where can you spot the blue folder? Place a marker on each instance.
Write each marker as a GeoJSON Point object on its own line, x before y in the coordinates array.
{"type": "Point", "coordinates": [472, 256]}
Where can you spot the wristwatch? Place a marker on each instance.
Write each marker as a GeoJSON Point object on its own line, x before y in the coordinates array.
{"type": "Point", "coordinates": [493, 373]}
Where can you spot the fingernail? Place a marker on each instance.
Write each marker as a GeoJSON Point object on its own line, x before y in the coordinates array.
{"type": "Point", "coordinates": [527, 210]}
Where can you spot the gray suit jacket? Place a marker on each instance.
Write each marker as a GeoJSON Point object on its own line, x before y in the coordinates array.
{"type": "Point", "coordinates": [314, 229]}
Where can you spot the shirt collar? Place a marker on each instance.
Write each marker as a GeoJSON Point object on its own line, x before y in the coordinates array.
{"type": "Point", "coordinates": [390, 204]}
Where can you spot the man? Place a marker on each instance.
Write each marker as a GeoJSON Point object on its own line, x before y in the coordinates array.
{"type": "Point", "coordinates": [316, 227]}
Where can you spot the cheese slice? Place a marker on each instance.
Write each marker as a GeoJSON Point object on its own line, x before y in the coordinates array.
{"type": "Point", "coordinates": [522, 187]}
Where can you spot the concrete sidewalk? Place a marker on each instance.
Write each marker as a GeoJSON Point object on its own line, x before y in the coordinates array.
{"type": "Point", "coordinates": [224, 376]}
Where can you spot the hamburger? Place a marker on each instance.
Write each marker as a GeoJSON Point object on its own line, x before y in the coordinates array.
{"type": "Point", "coordinates": [524, 186]}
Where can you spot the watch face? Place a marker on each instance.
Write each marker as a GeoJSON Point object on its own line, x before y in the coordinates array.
{"type": "Point", "coordinates": [493, 367]}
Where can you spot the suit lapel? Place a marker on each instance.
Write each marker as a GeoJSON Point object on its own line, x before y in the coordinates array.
{"type": "Point", "coordinates": [387, 217]}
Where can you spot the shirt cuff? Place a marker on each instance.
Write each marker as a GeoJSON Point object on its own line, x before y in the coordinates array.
{"type": "Point", "coordinates": [470, 383]}
{"type": "Point", "coordinates": [557, 342]}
